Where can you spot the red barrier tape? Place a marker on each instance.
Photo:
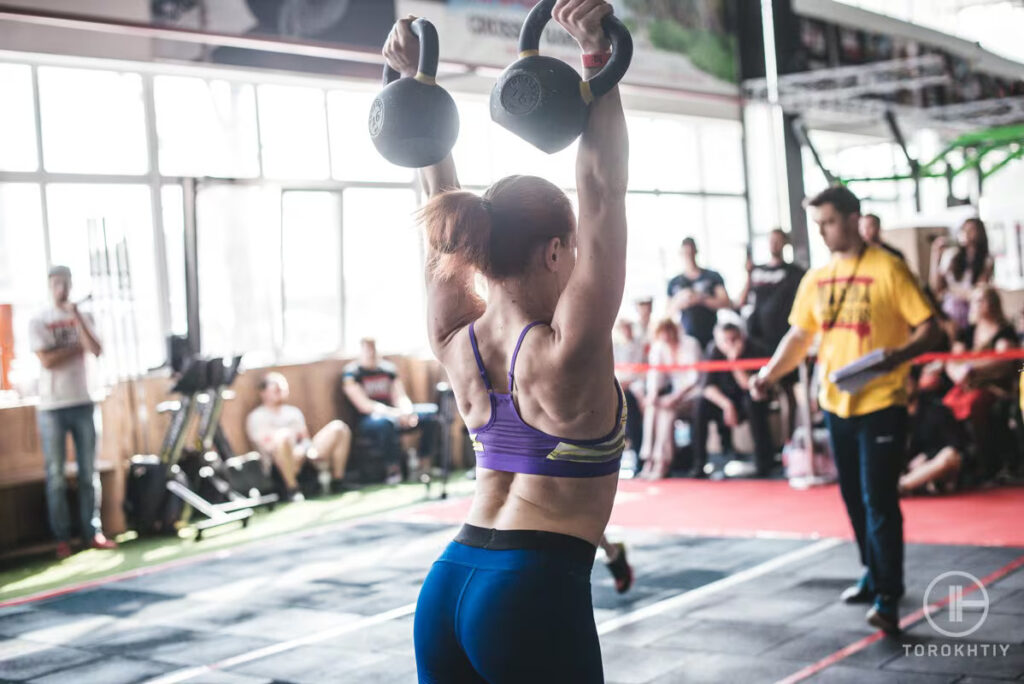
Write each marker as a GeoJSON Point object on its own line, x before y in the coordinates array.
{"type": "Point", "coordinates": [756, 364]}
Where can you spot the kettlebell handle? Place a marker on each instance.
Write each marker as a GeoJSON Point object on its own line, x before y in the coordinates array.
{"type": "Point", "coordinates": [622, 45]}
{"type": "Point", "coordinates": [430, 50]}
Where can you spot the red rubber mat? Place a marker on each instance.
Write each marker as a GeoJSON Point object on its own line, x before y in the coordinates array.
{"type": "Point", "coordinates": [747, 508]}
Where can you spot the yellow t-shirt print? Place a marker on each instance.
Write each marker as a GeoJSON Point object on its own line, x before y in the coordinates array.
{"type": "Point", "coordinates": [882, 302]}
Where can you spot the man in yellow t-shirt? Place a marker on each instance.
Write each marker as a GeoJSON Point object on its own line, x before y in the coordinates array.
{"type": "Point", "coordinates": [864, 299]}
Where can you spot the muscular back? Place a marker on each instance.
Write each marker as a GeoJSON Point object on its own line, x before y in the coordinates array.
{"type": "Point", "coordinates": [575, 401]}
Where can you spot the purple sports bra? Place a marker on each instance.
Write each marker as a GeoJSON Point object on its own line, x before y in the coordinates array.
{"type": "Point", "coordinates": [507, 443]}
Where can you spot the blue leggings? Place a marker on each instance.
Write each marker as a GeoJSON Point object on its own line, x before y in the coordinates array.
{"type": "Point", "coordinates": [508, 614]}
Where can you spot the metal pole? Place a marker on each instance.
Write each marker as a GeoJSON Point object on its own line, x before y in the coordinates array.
{"type": "Point", "coordinates": [189, 191]}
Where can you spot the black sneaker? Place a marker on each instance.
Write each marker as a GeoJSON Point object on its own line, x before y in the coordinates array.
{"type": "Point", "coordinates": [340, 486]}
{"type": "Point", "coordinates": [621, 571]}
{"type": "Point", "coordinates": [885, 615]}
{"type": "Point", "coordinates": [696, 473]}
{"type": "Point", "coordinates": [858, 593]}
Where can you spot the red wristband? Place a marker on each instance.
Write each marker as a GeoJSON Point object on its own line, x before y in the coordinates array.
{"type": "Point", "coordinates": [596, 60]}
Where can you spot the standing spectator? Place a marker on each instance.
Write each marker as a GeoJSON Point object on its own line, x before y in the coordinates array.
{"type": "Point", "coordinates": [955, 274]}
{"type": "Point", "coordinates": [695, 295]}
{"type": "Point", "coordinates": [871, 230]}
{"type": "Point", "coordinates": [377, 393]}
{"type": "Point", "coordinates": [727, 402]}
{"type": "Point", "coordinates": [61, 336]}
{"type": "Point", "coordinates": [771, 288]}
{"type": "Point", "coordinates": [278, 430]}
{"type": "Point", "coordinates": [670, 394]}
{"type": "Point", "coordinates": [863, 300]}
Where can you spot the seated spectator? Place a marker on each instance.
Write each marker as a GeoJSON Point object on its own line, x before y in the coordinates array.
{"type": "Point", "coordinates": [726, 401]}
{"type": "Point", "coordinates": [670, 395]}
{"type": "Point", "coordinates": [377, 393]}
{"type": "Point", "coordinates": [627, 349]}
{"type": "Point", "coordinates": [278, 430]}
{"type": "Point", "coordinates": [978, 385]}
{"type": "Point", "coordinates": [956, 273]}
{"type": "Point", "coordinates": [937, 446]}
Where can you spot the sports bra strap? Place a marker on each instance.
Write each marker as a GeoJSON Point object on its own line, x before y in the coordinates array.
{"type": "Point", "coordinates": [512, 366]}
{"type": "Point", "coordinates": [479, 361]}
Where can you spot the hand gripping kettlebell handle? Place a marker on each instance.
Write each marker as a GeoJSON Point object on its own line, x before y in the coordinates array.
{"type": "Point", "coordinates": [430, 50]}
{"type": "Point", "coordinates": [622, 45]}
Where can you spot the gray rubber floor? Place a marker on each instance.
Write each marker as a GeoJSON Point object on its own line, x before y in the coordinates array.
{"type": "Point", "coordinates": [335, 606]}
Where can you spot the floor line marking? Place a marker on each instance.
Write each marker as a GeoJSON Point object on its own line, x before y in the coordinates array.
{"type": "Point", "coordinates": [906, 622]}
{"type": "Point", "coordinates": [693, 595]}
{"type": "Point", "coordinates": [274, 649]}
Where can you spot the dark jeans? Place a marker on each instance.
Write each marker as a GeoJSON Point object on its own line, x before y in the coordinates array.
{"type": "Point", "coordinates": [869, 453]}
{"type": "Point", "coordinates": [54, 425]}
{"type": "Point", "coordinates": [385, 433]}
{"type": "Point", "coordinates": [706, 412]}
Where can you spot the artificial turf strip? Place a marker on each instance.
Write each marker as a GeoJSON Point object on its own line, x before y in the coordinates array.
{"type": "Point", "coordinates": [46, 573]}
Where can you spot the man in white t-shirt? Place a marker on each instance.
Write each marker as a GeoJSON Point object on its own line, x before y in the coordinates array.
{"type": "Point", "coordinates": [61, 336]}
{"type": "Point", "coordinates": [280, 433]}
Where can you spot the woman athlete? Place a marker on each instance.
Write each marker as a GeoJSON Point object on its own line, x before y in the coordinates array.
{"type": "Point", "coordinates": [509, 599]}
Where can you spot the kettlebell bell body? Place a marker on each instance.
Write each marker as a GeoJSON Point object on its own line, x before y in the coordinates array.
{"type": "Point", "coordinates": [544, 100]}
{"type": "Point", "coordinates": [540, 89]}
{"type": "Point", "coordinates": [413, 121]}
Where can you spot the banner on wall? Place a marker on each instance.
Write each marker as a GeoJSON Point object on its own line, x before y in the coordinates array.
{"type": "Point", "coordinates": [684, 44]}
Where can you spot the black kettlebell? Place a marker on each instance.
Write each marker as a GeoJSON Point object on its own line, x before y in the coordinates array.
{"type": "Point", "coordinates": [414, 121]}
{"type": "Point", "coordinates": [543, 100]}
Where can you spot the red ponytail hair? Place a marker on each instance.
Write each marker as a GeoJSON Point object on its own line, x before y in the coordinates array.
{"type": "Point", "coordinates": [495, 234]}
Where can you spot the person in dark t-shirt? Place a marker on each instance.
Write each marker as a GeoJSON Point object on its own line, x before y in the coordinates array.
{"type": "Point", "coordinates": [771, 288]}
{"type": "Point", "coordinates": [695, 295]}
{"type": "Point", "coordinates": [377, 393]}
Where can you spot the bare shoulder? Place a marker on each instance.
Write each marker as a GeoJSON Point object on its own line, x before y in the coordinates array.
{"type": "Point", "coordinates": [564, 392]}
{"type": "Point", "coordinates": [463, 375]}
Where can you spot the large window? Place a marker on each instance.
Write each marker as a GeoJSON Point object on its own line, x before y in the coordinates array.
{"type": "Point", "coordinates": [384, 296]}
{"type": "Point", "coordinates": [17, 119]}
{"type": "Point", "coordinates": [305, 234]}
{"type": "Point", "coordinates": [206, 128]}
{"type": "Point", "coordinates": [311, 269]}
{"type": "Point", "coordinates": [104, 233]}
{"type": "Point", "coordinates": [657, 226]}
{"type": "Point", "coordinates": [239, 270]}
{"type": "Point", "coordinates": [172, 203]}
{"type": "Point", "coordinates": [22, 264]}
{"type": "Point", "coordinates": [93, 121]}
{"type": "Point", "coordinates": [293, 132]}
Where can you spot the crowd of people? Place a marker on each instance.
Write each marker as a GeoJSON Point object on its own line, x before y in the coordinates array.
{"type": "Point", "coordinates": [966, 427]}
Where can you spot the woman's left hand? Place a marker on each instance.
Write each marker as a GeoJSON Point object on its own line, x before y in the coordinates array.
{"type": "Point", "coordinates": [582, 19]}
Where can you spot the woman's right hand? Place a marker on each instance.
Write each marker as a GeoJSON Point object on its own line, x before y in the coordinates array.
{"type": "Point", "coordinates": [402, 49]}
